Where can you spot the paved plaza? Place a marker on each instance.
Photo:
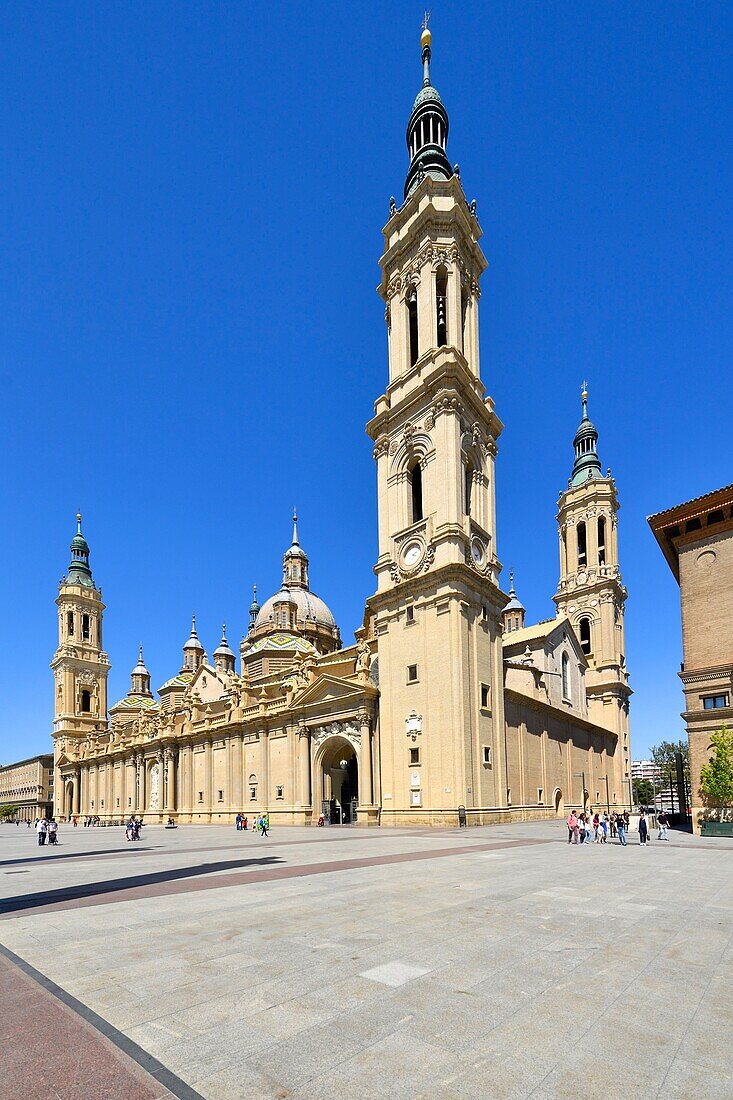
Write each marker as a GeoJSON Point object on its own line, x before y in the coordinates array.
{"type": "Point", "coordinates": [496, 963]}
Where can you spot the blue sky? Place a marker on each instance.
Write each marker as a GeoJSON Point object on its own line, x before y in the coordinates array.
{"type": "Point", "coordinates": [193, 197]}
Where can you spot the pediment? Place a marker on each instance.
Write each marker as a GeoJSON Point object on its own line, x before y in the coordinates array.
{"type": "Point", "coordinates": [208, 684]}
{"type": "Point", "coordinates": [332, 689]}
{"type": "Point", "coordinates": [62, 759]}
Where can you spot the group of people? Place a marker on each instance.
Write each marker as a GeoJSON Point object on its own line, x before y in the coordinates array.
{"type": "Point", "coordinates": [46, 830]}
{"type": "Point", "coordinates": [585, 827]}
{"type": "Point", "coordinates": [260, 823]}
{"type": "Point", "coordinates": [132, 829]}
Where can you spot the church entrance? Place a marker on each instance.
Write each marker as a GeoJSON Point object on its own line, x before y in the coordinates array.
{"type": "Point", "coordinates": [340, 777]}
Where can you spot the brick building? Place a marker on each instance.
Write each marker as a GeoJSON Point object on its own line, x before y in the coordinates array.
{"type": "Point", "coordinates": [696, 538]}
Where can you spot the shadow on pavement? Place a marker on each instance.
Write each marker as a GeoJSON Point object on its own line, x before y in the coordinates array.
{"type": "Point", "coordinates": [79, 855]}
{"type": "Point", "coordinates": [130, 882]}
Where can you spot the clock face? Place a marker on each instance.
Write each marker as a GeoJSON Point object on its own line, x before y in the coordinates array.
{"type": "Point", "coordinates": [411, 554]}
{"type": "Point", "coordinates": [478, 552]}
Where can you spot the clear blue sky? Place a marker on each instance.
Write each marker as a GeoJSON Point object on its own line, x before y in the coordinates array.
{"type": "Point", "coordinates": [193, 197]}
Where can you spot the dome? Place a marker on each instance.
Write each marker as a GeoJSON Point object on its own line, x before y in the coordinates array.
{"type": "Point", "coordinates": [310, 608]}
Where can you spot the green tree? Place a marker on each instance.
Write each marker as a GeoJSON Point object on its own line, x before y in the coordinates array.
{"type": "Point", "coordinates": [716, 777]}
{"type": "Point", "coordinates": [664, 756]}
{"type": "Point", "coordinates": [643, 792]}
{"type": "Point", "coordinates": [8, 811]}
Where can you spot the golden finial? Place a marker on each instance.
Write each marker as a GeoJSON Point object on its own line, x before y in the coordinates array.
{"type": "Point", "coordinates": [426, 37]}
{"type": "Point", "coordinates": [584, 391]}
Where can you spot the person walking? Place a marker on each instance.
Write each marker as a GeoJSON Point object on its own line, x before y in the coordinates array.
{"type": "Point", "coordinates": [612, 824]}
{"type": "Point", "coordinates": [238, 820]}
{"type": "Point", "coordinates": [572, 824]}
{"type": "Point", "coordinates": [621, 830]}
{"type": "Point", "coordinates": [643, 829]}
{"type": "Point", "coordinates": [663, 822]}
{"type": "Point", "coordinates": [264, 826]}
{"type": "Point", "coordinates": [41, 831]}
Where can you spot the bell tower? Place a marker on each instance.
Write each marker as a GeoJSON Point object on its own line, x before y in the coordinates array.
{"type": "Point", "coordinates": [590, 591]}
{"type": "Point", "coordinates": [80, 665]}
{"type": "Point", "coordinates": [437, 611]}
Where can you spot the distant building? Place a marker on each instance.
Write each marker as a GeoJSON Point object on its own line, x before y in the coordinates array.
{"type": "Point", "coordinates": [646, 769]}
{"type": "Point", "coordinates": [696, 538]}
{"type": "Point", "coordinates": [29, 786]}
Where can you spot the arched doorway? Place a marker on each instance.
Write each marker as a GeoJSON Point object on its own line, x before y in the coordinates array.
{"type": "Point", "coordinates": [559, 803]}
{"type": "Point", "coordinates": [339, 782]}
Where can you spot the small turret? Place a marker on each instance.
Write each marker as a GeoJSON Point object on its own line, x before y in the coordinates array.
{"type": "Point", "coordinates": [427, 129]}
{"type": "Point", "coordinates": [193, 651]}
{"type": "Point", "coordinates": [79, 571]}
{"type": "Point", "coordinates": [514, 610]}
{"type": "Point", "coordinates": [140, 678]}
{"type": "Point", "coordinates": [224, 658]}
{"type": "Point", "coordinates": [587, 464]}
{"type": "Point", "coordinates": [254, 608]}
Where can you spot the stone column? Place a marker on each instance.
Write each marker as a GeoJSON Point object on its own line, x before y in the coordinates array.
{"type": "Point", "coordinates": [238, 771]}
{"type": "Point", "coordinates": [169, 804]}
{"type": "Point", "coordinates": [367, 813]}
{"type": "Point", "coordinates": [142, 801]}
{"type": "Point", "coordinates": [76, 792]}
{"type": "Point", "coordinates": [304, 768]}
{"type": "Point", "coordinates": [265, 758]}
{"type": "Point", "coordinates": [229, 749]}
{"type": "Point", "coordinates": [208, 777]}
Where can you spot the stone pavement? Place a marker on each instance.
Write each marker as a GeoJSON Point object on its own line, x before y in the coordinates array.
{"type": "Point", "coordinates": [496, 963]}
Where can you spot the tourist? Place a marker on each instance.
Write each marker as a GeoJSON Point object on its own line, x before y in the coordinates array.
{"type": "Point", "coordinates": [663, 822]}
{"type": "Point", "coordinates": [264, 821]}
{"type": "Point", "coordinates": [245, 824]}
{"type": "Point", "coordinates": [572, 828]}
{"type": "Point", "coordinates": [603, 830]}
{"type": "Point", "coordinates": [643, 829]}
{"type": "Point", "coordinates": [41, 828]}
{"type": "Point", "coordinates": [612, 824]}
{"type": "Point", "coordinates": [238, 820]}
{"type": "Point", "coordinates": [621, 830]}
{"type": "Point", "coordinates": [52, 831]}
{"type": "Point", "coordinates": [596, 823]}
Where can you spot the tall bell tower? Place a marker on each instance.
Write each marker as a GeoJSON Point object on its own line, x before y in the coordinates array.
{"type": "Point", "coordinates": [80, 665]}
{"type": "Point", "coordinates": [437, 612]}
{"type": "Point", "coordinates": [590, 591]}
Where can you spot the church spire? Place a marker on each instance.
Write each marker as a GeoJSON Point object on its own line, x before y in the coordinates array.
{"type": "Point", "coordinates": [79, 570]}
{"type": "Point", "coordinates": [587, 464]}
{"type": "Point", "coordinates": [295, 561]}
{"type": "Point", "coordinates": [427, 129]}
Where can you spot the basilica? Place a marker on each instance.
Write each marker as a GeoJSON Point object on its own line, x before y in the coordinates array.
{"type": "Point", "coordinates": [448, 708]}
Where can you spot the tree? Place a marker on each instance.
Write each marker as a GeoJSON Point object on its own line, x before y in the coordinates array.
{"type": "Point", "coordinates": [643, 792]}
{"type": "Point", "coordinates": [664, 756]}
{"type": "Point", "coordinates": [9, 812]}
{"type": "Point", "coordinates": [716, 777]}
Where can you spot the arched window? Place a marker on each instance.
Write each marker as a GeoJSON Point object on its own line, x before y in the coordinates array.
{"type": "Point", "coordinates": [86, 702]}
{"type": "Point", "coordinates": [467, 487]}
{"type": "Point", "coordinates": [70, 623]}
{"type": "Point", "coordinates": [85, 632]}
{"type": "Point", "coordinates": [585, 639]}
{"type": "Point", "coordinates": [601, 540]}
{"type": "Point", "coordinates": [582, 546]}
{"type": "Point", "coordinates": [441, 305]}
{"type": "Point", "coordinates": [412, 325]}
{"type": "Point", "coordinates": [566, 677]}
{"type": "Point", "coordinates": [416, 492]}
{"type": "Point", "coordinates": [464, 311]}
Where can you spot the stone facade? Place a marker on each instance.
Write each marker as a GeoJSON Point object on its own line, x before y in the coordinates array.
{"type": "Point", "coordinates": [28, 785]}
{"type": "Point", "coordinates": [444, 701]}
{"type": "Point", "coordinates": [696, 538]}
